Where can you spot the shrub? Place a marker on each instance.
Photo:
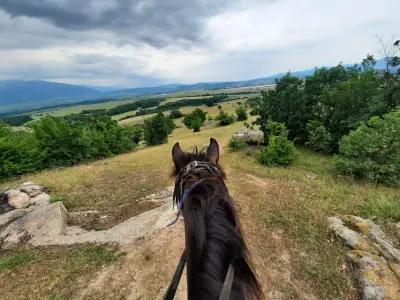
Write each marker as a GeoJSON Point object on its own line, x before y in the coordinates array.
{"type": "Point", "coordinates": [241, 112]}
{"type": "Point", "coordinates": [225, 118]}
{"type": "Point", "coordinates": [372, 151]}
{"type": "Point", "coordinates": [235, 144]}
{"type": "Point", "coordinates": [195, 119]}
{"type": "Point", "coordinates": [280, 151]}
{"type": "Point", "coordinates": [136, 133]}
{"type": "Point", "coordinates": [176, 114]}
{"type": "Point", "coordinates": [156, 129]}
{"type": "Point", "coordinates": [319, 139]}
{"type": "Point", "coordinates": [19, 152]}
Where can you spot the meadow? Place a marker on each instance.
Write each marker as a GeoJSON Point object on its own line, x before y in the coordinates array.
{"type": "Point", "coordinates": [283, 211]}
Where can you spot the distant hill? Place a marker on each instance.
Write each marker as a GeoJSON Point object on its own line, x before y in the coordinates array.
{"type": "Point", "coordinates": [17, 95]}
{"type": "Point", "coordinates": [25, 94]}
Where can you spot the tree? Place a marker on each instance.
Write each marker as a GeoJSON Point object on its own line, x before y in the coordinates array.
{"type": "Point", "coordinates": [176, 114]}
{"type": "Point", "coordinates": [241, 112]}
{"type": "Point", "coordinates": [156, 129]}
{"type": "Point", "coordinates": [195, 119]}
{"type": "Point", "coordinates": [224, 118]}
{"type": "Point", "coordinates": [285, 104]}
{"type": "Point", "coordinates": [372, 151]}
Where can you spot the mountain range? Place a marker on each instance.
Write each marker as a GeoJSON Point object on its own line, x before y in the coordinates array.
{"type": "Point", "coordinates": [20, 96]}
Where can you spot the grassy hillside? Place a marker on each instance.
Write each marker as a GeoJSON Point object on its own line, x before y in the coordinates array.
{"type": "Point", "coordinates": [283, 212]}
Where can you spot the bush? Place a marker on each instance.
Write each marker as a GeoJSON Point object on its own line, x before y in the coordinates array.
{"type": "Point", "coordinates": [176, 114]}
{"type": "Point", "coordinates": [19, 152]}
{"type": "Point", "coordinates": [156, 129]}
{"type": "Point", "coordinates": [372, 151]}
{"type": "Point", "coordinates": [62, 142]}
{"type": "Point", "coordinates": [236, 145]}
{"type": "Point", "coordinates": [225, 118]}
{"type": "Point", "coordinates": [319, 139]}
{"type": "Point", "coordinates": [241, 112]}
{"type": "Point", "coordinates": [280, 151]}
{"type": "Point", "coordinates": [136, 133]}
{"type": "Point", "coordinates": [195, 119]}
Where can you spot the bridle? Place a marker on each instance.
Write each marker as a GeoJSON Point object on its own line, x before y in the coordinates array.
{"type": "Point", "coordinates": [179, 197]}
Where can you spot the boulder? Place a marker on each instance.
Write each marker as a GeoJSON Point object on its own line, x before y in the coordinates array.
{"type": "Point", "coordinates": [376, 259]}
{"type": "Point", "coordinates": [41, 199]}
{"type": "Point", "coordinates": [11, 216]}
{"type": "Point", "coordinates": [253, 137]}
{"type": "Point", "coordinates": [17, 199]}
{"type": "Point", "coordinates": [31, 189]}
{"type": "Point", "coordinates": [40, 225]}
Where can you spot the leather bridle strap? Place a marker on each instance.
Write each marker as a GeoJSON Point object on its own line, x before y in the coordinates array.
{"type": "Point", "coordinates": [170, 294]}
{"type": "Point", "coordinates": [226, 288]}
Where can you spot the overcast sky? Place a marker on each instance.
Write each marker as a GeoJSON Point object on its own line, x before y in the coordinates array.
{"type": "Point", "coordinates": [131, 43]}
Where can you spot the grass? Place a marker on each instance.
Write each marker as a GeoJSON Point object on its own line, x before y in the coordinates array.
{"type": "Point", "coordinates": [51, 272]}
{"type": "Point", "coordinates": [283, 211]}
{"type": "Point", "coordinates": [12, 261]}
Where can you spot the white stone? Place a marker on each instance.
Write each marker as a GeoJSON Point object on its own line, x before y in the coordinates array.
{"type": "Point", "coordinates": [17, 199]}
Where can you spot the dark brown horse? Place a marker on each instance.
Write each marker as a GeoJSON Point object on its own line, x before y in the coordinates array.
{"type": "Point", "coordinates": [218, 264]}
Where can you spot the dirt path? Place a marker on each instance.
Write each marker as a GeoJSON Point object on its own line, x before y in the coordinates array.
{"type": "Point", "coordinates": [145, 271]}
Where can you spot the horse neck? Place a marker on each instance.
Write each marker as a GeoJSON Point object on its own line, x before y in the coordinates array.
{"type": "Point", "coordinates": [213, 240]}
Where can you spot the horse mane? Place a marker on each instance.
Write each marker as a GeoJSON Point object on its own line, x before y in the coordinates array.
{"type": "Point", "coordinates": [214, 239]}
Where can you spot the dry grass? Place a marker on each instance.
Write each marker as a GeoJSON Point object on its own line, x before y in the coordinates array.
{"type": "Point", "coordinates": [283, 211]}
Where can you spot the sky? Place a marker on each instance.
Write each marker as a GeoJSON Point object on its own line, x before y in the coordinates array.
{"type": "Point", "coordinates": [131, 43]}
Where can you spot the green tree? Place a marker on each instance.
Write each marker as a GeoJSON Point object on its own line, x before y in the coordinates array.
{"type": "Point", "coordinates": [319, 139]}
{"type": "Point", "coordinates": [224, 118]}
{"type": "Point", "coordinates": [156, 129]}
{"type": "Point", "coordinates": [18, 152]}
{"type": "Point", "coordinates": [241, 112]}
{"type": "Point", "coordinates": [372, 151]}
{"type": "Point", "coordinates": [195, 119]}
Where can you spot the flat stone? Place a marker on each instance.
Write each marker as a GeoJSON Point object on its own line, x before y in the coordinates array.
{"type": "Point", "coordinates": [17, 199]}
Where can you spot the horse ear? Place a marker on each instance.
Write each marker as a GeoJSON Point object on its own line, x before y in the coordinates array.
{"type": "Point", "coordinates": [178, 156]}
{"type": "Point", "coordinates": [213, 151]}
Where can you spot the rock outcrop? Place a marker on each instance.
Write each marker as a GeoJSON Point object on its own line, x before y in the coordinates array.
{"type": "Point", "coordinates": [376, 260]}
{"type": "Point", "coordinates": [43, 223]}
{"type": "Point", "coordinates": [252, 137]}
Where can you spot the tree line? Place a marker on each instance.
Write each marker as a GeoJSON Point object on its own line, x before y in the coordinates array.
{"type": "Point", "coordinates": [338, 109]}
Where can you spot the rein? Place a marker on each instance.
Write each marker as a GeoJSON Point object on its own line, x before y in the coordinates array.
{"type": "Point", "coordinates": [179, 198]}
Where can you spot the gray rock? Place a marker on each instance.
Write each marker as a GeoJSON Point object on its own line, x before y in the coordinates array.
{"type": "Point", "coordinates": [11, 216]}
{"type": "Point", "coordinates": [41, 199]}
{"type": "Point", "coordinates": [31, 189]}
{"type": "Point", "coordinates": [350, 237]}
{"type": "Point", "coordinates": [17, 199]}
{"type": "Point", "coordinates": [42, 224]}
{"type": "Point", "coordinates": [250, 136]}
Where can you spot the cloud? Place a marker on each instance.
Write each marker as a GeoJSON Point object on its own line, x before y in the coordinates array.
{"type": "Point", "coordinates": [136, 43]}
{"type": "Point", "coordinates": [155, 22]}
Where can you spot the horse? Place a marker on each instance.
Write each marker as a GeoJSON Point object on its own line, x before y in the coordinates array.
{"type": "Point", "coordinates": [218, 264]}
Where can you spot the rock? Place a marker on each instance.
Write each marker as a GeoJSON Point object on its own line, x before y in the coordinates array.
{"type": "Point", "coordinates": [253, 137]}
{"type": "Point", "coordinates": [17, 199]}
{"type": "Point", "coordinates": [376, 259]}
{"type": "Point", "coordinates": [311, 176]}
{"type": "Point", "coordinates": [31, 189]}
{"type": "Point", "coordinates": [42, 224]}
{"type": "Point", "coordinates": [41, 199]}
{"type": "Point", "coordinates": [11, 216]}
